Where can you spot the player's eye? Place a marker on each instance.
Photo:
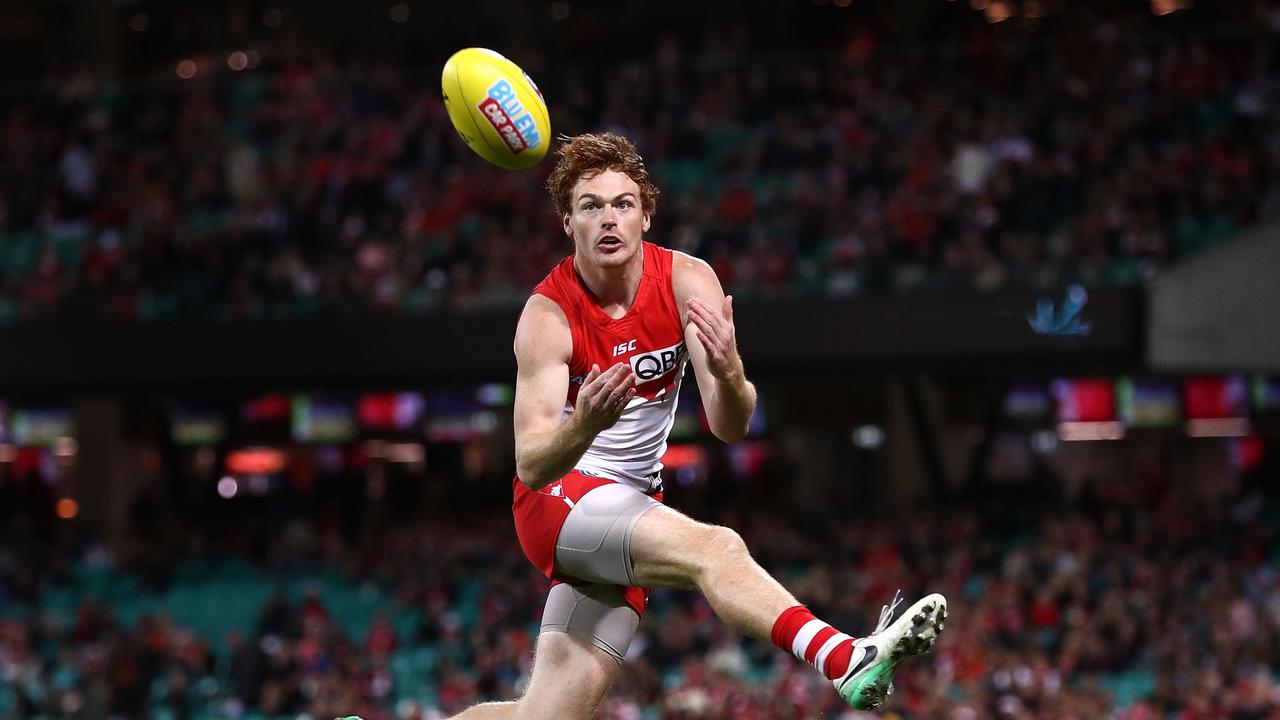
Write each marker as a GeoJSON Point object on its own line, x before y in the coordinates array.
{"type": "Point", "coordinates": [624, 205]}
{"type": "Point", "coordinates": [589, 206]}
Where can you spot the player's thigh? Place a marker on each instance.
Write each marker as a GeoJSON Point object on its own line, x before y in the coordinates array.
{"type": "Point", "coordinates": [668, 548]}
{"type": "Point", "coordinates": [595, 539]}
{"type": "Point", "coordinates": [569, 680]}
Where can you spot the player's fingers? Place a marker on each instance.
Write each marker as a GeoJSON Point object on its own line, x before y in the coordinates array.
{"type": "Point", "coordinates": [713, 349]}
{"type": "Point", "coordinates": [591, 375]}
{"type": "Point", "coordinates": [627, 398]}
{"type": "Point", "coordinates": [606, 378]}
{"type": "Point", "coordinates": [627, 378]}
{"type": "Point", "coordinates": [587, 396]}
{"type": "Point", "coordinates": [617, 396]}
{"type": "Point", "coordinates": [728, 308]}
{"type": "Point", "coordinates": [621, 387]}
{"type": "Point", "coordinates": [620, 399]}
{"type": "Point", "coordinates": [704, 310]}
{"type": "Point", "coordinates": [597, 392]}
{"type": "Point", "coordinates": [713, 342]}
{"type": "Point", "coordinates": [703, 325]}
{"type": "Point", "coordinates": [698, 307]}
{"type": "Point", "coordinates": [618, 375]}
{"type": "Point", "coordinates": [609, 392]}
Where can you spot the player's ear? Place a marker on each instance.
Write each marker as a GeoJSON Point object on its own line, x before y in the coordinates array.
{"type": "Point", "coordinates": [567, 229]}
{"type": "Point", "coordinates": [647, 218]}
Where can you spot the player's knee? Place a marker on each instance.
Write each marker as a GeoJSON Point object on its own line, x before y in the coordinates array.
{"type": "Point", "coordinates": [724, 544]}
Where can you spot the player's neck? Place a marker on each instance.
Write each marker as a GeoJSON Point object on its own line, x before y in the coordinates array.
{"type": "Point", "coordinates": [616, 288]}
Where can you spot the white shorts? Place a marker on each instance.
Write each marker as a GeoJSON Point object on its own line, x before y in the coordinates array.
{"type": "Point", "coordinates": [594, 546]}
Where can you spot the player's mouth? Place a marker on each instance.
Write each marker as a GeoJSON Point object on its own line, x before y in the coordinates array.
{"type": "Point", "coordinates": [609, 243]}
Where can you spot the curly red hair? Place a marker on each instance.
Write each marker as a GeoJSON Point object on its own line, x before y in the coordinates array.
{"type": "Point", "coordinates": [588, 155]}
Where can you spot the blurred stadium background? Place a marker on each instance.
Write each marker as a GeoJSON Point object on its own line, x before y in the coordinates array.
{"type": "Point", "coordinates": [1007, 273]}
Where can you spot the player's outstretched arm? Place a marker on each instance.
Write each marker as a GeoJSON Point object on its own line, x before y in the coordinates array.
{"type": "Point", "coordinates": [727, 396]}
{"type": "Point", "coordinates": [546, 448]}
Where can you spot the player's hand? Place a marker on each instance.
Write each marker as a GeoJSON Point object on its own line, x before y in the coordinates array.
{"type": "Point", "coordinates": [718, 338]}
{"type": "Point", "coordinates": [604, 395]}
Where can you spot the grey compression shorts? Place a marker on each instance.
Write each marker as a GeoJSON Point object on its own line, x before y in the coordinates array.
{"type": "Point", "coordinates": [595, 546]}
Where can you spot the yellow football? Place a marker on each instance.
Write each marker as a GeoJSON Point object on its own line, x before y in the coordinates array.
{"type": "Point", "coordinates": [496, 108]}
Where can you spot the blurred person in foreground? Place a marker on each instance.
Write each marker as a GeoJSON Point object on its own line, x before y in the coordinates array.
{"type": "Point", "coordinates": [601, 348]}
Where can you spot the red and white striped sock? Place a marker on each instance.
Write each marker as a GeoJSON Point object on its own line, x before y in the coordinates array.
{"type": "Point", "coordinates": [798, 632]}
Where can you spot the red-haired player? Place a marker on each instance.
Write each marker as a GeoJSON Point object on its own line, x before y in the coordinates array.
{"type": "Point", "coordinates": [601, 347]}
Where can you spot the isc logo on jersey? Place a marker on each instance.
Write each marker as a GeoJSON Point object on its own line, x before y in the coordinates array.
{"type": "Point", "coordinates": [504, 112]}
{"type": "Point", "coordinates": [656, 363]}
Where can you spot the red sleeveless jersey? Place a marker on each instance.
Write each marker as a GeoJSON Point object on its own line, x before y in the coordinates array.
{"type": "Point", "coordinates": [651, 339]}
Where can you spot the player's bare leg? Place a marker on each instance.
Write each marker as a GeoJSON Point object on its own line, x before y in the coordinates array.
{"type": "Point", "coordinates": [671, 549]}
{"type": "Point", "coordinates": [569, 680]}
{"type": "Point", "coordinates": [489, 711]}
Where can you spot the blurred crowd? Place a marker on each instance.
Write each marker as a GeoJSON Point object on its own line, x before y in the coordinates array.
{"type": "Point", "coordinates": [1090, 142]}
{"type": "Point", "coordinates": [1142, 600]}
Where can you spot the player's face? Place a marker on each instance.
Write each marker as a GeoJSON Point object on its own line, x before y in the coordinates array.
{"type": "Point", "coordinates": [606, 221]}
